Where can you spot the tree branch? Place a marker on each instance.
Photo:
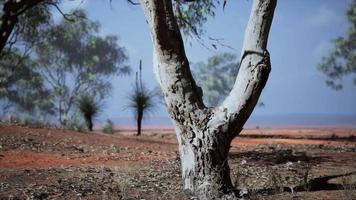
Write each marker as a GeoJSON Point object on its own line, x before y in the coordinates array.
{"type": "Point", "coordinates": [132, 2]}
{"type": "Point", "coordinates": [255, 66]}
{"type": "Point", "coordinates": [182, 96]}
{"type": "Point", "coordinates": [11, 11]}
{"type": "Point", "coordinates": [68, 17]}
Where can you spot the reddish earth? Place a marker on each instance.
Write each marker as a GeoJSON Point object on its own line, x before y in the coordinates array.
{"type": "Point", "coordinates": [58, 164]}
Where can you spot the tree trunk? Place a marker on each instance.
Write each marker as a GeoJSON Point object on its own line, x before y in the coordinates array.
{"type": "Point", "coordinates": [89, 122]}
{"type": "Point", "coordinates": [139, 122]}
{"type": "Point", "coordinates": [205, 169]}
{"type": "Point", "coordinates": [204, 134]}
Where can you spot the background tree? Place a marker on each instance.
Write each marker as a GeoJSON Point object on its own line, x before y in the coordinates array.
{"type": "Point", "coordinates": [27, 31]}
{"type": "Point", "coordinates": [74, 59]}
{"type": "Point", "coordinates": [204, 134]}
{"type": "Point", "coordinates": [191, 15]}
{"type": "Point", "coordinates": [140, 100]}
{"type": "Point", "coordinates": [216, 77]}
{"type": "Point", "coordinates": [10, 13]}
{"type": "Point", "coordinates": [341, 61]}
{"type": "Point", "coordinates": [22, 88]}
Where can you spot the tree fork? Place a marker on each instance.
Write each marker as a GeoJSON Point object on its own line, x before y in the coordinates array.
{"type": "Point", "coordinates": [204, 134]}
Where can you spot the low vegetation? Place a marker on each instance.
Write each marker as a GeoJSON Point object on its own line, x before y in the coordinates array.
{"type": "Point", "coordinates": [108, 127]}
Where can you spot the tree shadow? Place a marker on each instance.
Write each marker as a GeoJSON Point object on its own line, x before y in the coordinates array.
{"type": "Point", "coordinates": [316, 184]}
{"type": "Point", "coordinates": [333, 137]}
{"type": "Point", "coordinates": [276, 157]}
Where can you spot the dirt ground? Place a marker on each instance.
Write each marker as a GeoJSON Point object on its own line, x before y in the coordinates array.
{"type": "Point", "coordinates": [265, 164]}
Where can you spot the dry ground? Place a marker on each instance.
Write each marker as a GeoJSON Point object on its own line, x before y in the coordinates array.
{"type": "Point", "coordinates": [265, 164]}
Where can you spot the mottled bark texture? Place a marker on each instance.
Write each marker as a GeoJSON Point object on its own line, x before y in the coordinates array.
{"type": "Point", "coordinates": [205, 134]}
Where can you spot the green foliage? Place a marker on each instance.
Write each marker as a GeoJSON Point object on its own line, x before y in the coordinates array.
{"type": "Point", "coordinates": [341, 61]}
{"type": "Point", "coordinates": [108, 127]}
{"type": "Point", "coordinates": [47, 66]}
{"type": "Point", "coordinates": [74, 60]}
{"type": "Point", "coordinates": [29, 121]}
{"type": "Point", "coordinates": [87, 106]}
{"type": "Point", "coordinates": [21, 87]}
{"type": "Point", "coordinates": [191, 15]}
{"type": "Point", "coordinates": [29, 28]}
{"type": "Point", "coordinates": [216, 77]}
{"type": "Point", "coordinates": [140, 100]}
{"type": "Point", "coordinates": [75, 124]}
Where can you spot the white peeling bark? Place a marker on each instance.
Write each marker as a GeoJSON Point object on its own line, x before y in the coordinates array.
{"type": "Point", "coordinates": [253, 73]}
{"type": "Point", "coordinates": [204, 134]}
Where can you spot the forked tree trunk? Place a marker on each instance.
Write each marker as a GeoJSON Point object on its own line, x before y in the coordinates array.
{"type": "Point", "coordinates": [205, 169]}
{"type": "Point", "coordinates": [204, 134]}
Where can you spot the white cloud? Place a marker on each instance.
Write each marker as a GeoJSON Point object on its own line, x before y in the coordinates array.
{"type": "Point", "coordinates": [323, 15]}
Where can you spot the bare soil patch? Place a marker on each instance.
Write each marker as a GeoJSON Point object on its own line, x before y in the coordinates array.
{"type": "Point", "coordinates": [265, 164]}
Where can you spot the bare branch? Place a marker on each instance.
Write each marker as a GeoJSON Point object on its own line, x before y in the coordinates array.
{"type": "Point", "coordinates": [65, 16]}
{"type": "Point", "coordinates": [132, 2]}
{"type": "Point", "coordinates": [220, 42]}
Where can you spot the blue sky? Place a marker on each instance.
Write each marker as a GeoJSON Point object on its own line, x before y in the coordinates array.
{"type": "Point", "coordinates": [300, 35]}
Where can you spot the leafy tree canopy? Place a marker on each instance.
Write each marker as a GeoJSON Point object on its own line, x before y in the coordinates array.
{"type": "Point", "coordinates": [191, 15]}
{"type": "Point", "coordinates": [341, 61]}
{"type": "Point", "coordinates": [21, 87]}
{"type": "Point", "coordinates": [216, 77]}
{"type": "Point", "coordinates": [74, 59]}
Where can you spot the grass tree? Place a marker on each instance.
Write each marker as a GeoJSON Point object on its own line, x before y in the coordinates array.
{"type": "Point", "coordinates": [89, 108]}
{"type": "Point", "coordinates": [140, 99]}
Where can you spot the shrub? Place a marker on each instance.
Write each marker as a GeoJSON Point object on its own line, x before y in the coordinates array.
{"type": "Point", "coordinates": [108, 128]}
{"type": "Point", "coordinates": [75, 124]}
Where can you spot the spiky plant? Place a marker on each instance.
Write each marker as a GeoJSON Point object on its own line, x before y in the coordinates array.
{"type": "Point", "coordinates": [140, 100]}
{"type": "Point", "coordinates": [89, 108]}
